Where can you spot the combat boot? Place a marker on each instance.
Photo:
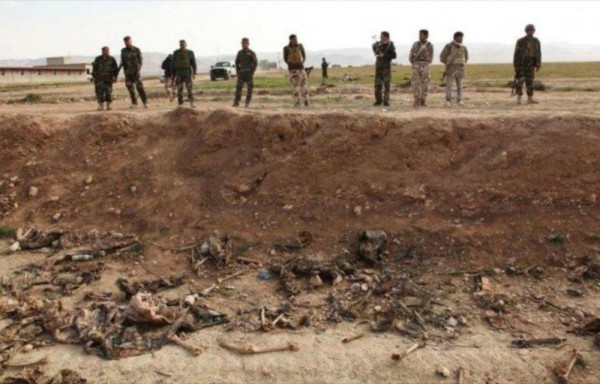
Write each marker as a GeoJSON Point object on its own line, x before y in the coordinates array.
{"type": "Point", "coordinates": [423, 103]}
{"type": "Point", "coordinates": [100, 107]}
{"type": "Point", "coordinates": [236, 104]}
{"type": "Point", "coordinates": [377, 103]}
{"type": "Point", "coordinates": [306, 103]}
{"type": "Point", "coordinates": [192, 104]}
{"type": "Point", "coordinates": [146, 105]}
{"type": "Point", "coordinates": [108, 108]}
{"type": "Point", "coordinates": [519, 99]}
{"type": "Point", "coordinates": [530, 100]}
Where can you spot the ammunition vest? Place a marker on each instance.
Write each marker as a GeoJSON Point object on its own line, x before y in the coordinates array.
{"type": "Point", "coordinates": [458, 55]}
{"type": "Point", "coordinates": [295, 55]}
{"type": "Point", "coordinates": [181, 60]}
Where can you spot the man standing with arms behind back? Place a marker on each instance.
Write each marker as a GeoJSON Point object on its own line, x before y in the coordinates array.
{"type": "Point", "coordinates": [385, 52]}
{"type": "Point", "coordinates": [294, 56]}
{"type": "Point", "coordinates": [104, 73]}
{"type": "Point", "coordinates": [421, 55]}
{"type": "Point", "coordinates": [245, 65]}
{"type": "Point", "coordinates": [184, 69]}
{"type": "Point", "coordinates": [455, 56]}
{"type": "Point", "coordinates": [131, 61]}
{"type": "Point", "coordinates": [527, 61]}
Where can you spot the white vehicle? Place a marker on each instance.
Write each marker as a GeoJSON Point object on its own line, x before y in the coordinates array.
{"type": "Point", "coordinates": [223, 70]}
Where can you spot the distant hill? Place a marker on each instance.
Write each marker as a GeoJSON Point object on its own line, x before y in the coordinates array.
{"type": "Point", "coordinates": [478, 52]}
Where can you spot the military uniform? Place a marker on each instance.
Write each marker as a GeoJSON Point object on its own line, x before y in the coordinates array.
{"type": "Point", "coordinates": [324, 67]}
{"type": "Point", "coordinates": [420, 57]}
{"type": "Point", "coordinates": [455, 56]}
{"type": "Point", "coordinates": [167, 66]}
{"type": "Point", "coordinates": [527, 57]}
{"type": "Point", "coordinates": [294, 56]}
{"type": "Point", "coordinates": [104, 71]}
{"type": "Point", "coordinates": [184, 67]}
{"type": "Point", "coordinates": [383, 70]}
{"type": "Point", "coordinates": [246, 63]}
{"type": "Point", "coordinates": [131, 61]}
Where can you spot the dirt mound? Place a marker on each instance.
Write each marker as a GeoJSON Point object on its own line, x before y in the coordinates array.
{"type": "Point", "coordinates": [447, 187]}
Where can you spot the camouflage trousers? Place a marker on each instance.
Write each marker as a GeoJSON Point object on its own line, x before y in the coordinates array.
{"type": "Point", "coordinates": [421, 77]}
{"type": "Point", "coordinates": [133, 82]}
{"type": "Point", "coordinates": [525, 74]}
{"type": "Point", "coordinates": [169, 82]}
{"type": "Point", "coordinates": [244, 78]}
{"type": "Point", "coordinates": [179, 82]}
{"type": "Point", "coordinates": [103, 90]}
{"type": "Point", "coordinates": [383, 81]}
{"type": "Point", "coordinates": [455, 73]}
{"type": "Point", "coordinates": [299, 82]}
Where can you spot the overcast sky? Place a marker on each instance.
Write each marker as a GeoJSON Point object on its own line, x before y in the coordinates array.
{"type": "Point", "coordinates": [32, 29]}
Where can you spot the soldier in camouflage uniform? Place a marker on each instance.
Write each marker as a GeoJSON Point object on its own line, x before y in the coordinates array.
{"type": "Point", "coordinates": [184, 69]}
{"type": "Point", "coordinates": [246, 63]}
{"type": "Point", "coordinates": [295, 56]}
{"type": "Point", "coordinates": [420, 57]}
{"type": "Point", "coordinates": [455, 56]}
{"type": "Point", "coordinates": [104, 73]}
{"type": "Point", "coordinates": [385, 52]}
{"type": "Point", "coordinates": [527, 61]}
{"type": "Point", "coordinates": [131, 62]}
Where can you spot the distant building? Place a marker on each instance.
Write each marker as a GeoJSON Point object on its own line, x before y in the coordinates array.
{"type": "Point", "coordinates": [56, 70]}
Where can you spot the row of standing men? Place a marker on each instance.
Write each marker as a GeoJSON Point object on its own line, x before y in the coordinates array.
{"type": "Point", "coordinates": [180, 70]}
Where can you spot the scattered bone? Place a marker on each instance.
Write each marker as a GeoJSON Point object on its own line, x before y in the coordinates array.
{"type": "Point", "coordinates": [190, 348]}
{"type": "Point", "coordinates": [526, 343]}
{"type": "Point", "coordinates": [563, 371]}
{"type": "Point", "coordinates": [233, 275]}
{"type": "Point", "coordinates": [349, 339]}
{"type": "Point", "coordinates": [460, 375]}
{"type": "Point", "coordinates": [414, 347]}
{"type": "Point", "coordinates": [253, 350]}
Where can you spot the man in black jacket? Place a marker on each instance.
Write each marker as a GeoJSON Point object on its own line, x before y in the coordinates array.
{"type": "Point", "coordinates": [167, 66]}
{"type": "Point", "coordinates": [385, 52]}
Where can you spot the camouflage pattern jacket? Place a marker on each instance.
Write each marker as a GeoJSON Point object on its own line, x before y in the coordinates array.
{"type": "Point", "coordinates": [184, 63]}
{"type": "Point", "coordinates": [104, 68]}
{"type": "Point", "coordinates": [286, 56]}
{"type": "Point", "coordinates": [131, 60]}
{"type": "Point", "coordinates": [246, 61]}
{"type": "Point", "coordinates": [389, 53]}
{"type": "Point", "coordinates": [421, 53]}
{"type": "Point", "coordinates": [527, 51]}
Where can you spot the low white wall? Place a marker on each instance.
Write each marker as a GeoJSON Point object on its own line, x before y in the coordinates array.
{"type": "Point", "coordinates": [17, 76]}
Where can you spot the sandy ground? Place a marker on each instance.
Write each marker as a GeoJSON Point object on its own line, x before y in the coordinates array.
{"type": "Point", "coordinates": [475, 187]}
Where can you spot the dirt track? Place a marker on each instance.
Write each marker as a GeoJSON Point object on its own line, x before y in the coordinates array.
{"type": "Point", "coordinates": [458, 190]}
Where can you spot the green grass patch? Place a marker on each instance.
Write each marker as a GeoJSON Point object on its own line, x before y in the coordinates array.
{"type": "Point", "coordinates": [6, 231]}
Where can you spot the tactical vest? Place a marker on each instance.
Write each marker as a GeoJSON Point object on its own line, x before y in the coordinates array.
{"type": "Point", "coordinates": [295, 55]}
{"type": "Point", "coordinates": [459, 56]}
{"type": "Point", "coordinates": [181, 60]}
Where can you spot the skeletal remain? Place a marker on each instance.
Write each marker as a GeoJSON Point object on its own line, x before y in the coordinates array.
{"type": "Point", "coordinates": [563, 371]}
{"type": "Point", "coordinates": [414, 347]}
{"type": "Point", "coordinates": [352, 338]}
{"type": "Point", "coordinates": [253, 350]}
{"type": "Point", "coordinates": [190, 348]}
{"type": "Point", "coordinates": [523, 343]}
{"type": "Point", "coordinates": [405, 331]}
{"type": "Point", "coordinates": [248, 260]}
{"type": "Point", "coordinates": [461, 375]}
{"type": "Point", "coordinates": [221, 280]}
{"type": "Point", "coordinates": [205, 292]}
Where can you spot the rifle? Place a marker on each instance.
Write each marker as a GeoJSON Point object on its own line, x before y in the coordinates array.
{"type": "Point", "coordinates": [513, 91]}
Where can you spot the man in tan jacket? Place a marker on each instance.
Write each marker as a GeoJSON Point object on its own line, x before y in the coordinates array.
{"type": "Point", "coordinates": [455, 56]}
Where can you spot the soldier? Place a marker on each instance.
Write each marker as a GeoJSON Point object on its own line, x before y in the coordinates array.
{"type": "Point", "coordinates": [294, 56]}
{"type": "Point", "coordinates": [527, 61]}
{"type": "Point", "coordinates": [385, 52]}
{"type": "Point", "coordinates": [421, 55]}
{"type": "Point", "coordinates": [324, 66]}
{"type": "Point", "coordinates": [167, 67]}
{"type": "Point", "coordinates": [131, 62]}
{"type": "Point", "coordinates": [246, 63]}
{"type": "Point", "coordinates": [455, 55]}
{"type": "Point", "coordinates": [184, 69]}
{"type": "Point", "coordinates": [104, 73]}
